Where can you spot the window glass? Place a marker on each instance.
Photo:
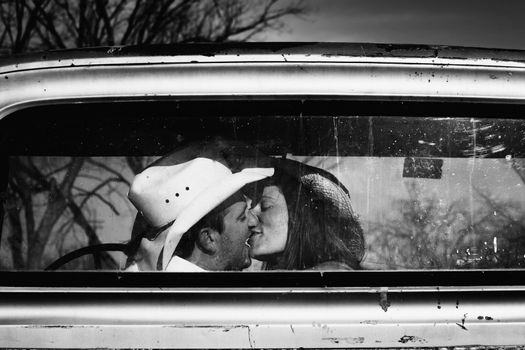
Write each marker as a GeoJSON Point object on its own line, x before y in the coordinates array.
{"type": "Point", "coordinates": [355, 186]}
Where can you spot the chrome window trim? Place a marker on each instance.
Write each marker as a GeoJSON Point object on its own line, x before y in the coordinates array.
{"type": "Point", "coordinates": [266, 79]}
{"type": "Point", "coordinates": [269, 290]}
{"type": "Point", "coordinates": [220, 319]}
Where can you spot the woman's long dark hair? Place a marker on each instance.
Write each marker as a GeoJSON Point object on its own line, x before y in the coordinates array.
{"type": "Point", "coordinates": [318, 230]}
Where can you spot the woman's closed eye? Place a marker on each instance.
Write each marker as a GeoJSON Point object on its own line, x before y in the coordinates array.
{"type": "Point", "coordinates": [266, 204]}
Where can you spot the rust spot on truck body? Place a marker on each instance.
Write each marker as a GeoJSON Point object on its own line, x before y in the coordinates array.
{"type": "Point", "coordinates": [411, 338]}
{"type": "Point", "coordinates": [383, 301]}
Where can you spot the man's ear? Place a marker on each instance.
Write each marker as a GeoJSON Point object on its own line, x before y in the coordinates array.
{"type": "Point", "coordinates": [208, 240]}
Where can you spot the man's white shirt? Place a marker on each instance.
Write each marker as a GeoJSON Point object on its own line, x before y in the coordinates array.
{"type": "Point", "coordinates": [176, 264]}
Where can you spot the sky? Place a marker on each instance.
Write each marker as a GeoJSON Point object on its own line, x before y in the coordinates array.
{"type": "Point", "coordinates": [474, 23]}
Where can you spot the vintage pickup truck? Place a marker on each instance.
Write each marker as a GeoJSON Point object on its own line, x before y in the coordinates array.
{"type": "Point", "coordinates": [429, 142]}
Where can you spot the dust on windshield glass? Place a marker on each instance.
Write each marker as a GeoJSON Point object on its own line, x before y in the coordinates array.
{"type": "Point", "coordinates": [279, 192]}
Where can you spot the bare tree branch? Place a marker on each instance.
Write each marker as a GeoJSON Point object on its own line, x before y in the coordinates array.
{"type": "Point", "coordinates": [63, 230]}
{"type": "Point", "coordinates": [15, 237]}
{"type": "Point", "coordinates": [155, 24]}
{"type": "Point", "coordinates": [117, 10]}
{"type": "Point", "coordinates": [19, 6]}
{"type": "Point", "coordinates": [495, 207]}
{"type": "Point", "coordinates": [4, 28]}
{"type": "Point", "coordinates": [62, 23]}
{"type": "Point", "coordinates": [131, 22]}
{"type": "Point", "coordinates": [59, 169]}
{"type": "Point", "coordinates": [93, 239]}
{"type": "Point", "coordinates": [47, 21]}
{"type": "Point", "coordinates": [23, 41]}
{"type": "Point", "coordinates": [101, 10]}
{"type": "Point", "coordinates": [148, 12]}
{"type": "Point", "coordinates": [70, 21]}
{"type": "Point", "coordinates": [94, 192]}
{"type": "Point", "coordinates": [110, 170]}
{"type": "Point", "coordinates": [135, 164]}
{"type": "Point", "coordinates": [58, 202]}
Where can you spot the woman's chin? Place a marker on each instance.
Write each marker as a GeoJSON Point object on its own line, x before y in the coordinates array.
{"type": "Point", "coordinates": [264, 256]}
{"type": "Point", "coordinates": [257, 254]}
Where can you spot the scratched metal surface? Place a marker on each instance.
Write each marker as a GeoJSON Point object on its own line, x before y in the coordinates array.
{"type": "Point", "coordinates": [91, 318]}
{"type": "Point", "coordinates": [279, 319]}
{"type": "Point", "coordinates": [396, 73]}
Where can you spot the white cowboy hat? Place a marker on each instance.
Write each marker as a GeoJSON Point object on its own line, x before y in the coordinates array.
{"type": "Point", "coordinates": [184, 193]}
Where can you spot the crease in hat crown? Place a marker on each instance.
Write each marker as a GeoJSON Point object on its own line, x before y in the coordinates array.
{"type": "Point", "coordinates": [161, 193]}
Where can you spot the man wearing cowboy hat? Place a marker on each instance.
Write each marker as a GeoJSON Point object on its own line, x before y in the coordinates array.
{"type": "Point", "coordinates": [199, 205]}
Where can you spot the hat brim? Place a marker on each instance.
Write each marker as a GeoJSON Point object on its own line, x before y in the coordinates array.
{"type": "Point", "coordinates": [206, 202]}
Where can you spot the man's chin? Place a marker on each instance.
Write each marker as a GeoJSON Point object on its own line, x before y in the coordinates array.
{"type": "Point", "coordinates": [247, 262]}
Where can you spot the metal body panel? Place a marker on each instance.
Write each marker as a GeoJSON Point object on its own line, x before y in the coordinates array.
{"type": "Point", "coordinates": [262, 317]}
{"type": "Point", "coordinates": [334, 319]}
{"type": "Point", "coordinates": [79, 79]}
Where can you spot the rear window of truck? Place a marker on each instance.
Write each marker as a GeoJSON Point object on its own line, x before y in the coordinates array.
{"type": "Point", "coordinates": [432, 185]}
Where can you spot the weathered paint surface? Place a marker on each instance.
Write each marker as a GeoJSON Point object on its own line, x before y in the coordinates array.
{"type": "Point", "coordinates": [279, 319]}
{"type": "Point", "coordinates": [306, 49]}
{"type": "Point", "coordinates": [262, 319]}
{"type": "Point", "coordinates": [83, 83]}
{"type": "Point", "coordinates": [254, 336]}
{"type": "Point", "coordinates": [261, 71]}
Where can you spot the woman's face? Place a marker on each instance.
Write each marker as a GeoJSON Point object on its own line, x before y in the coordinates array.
{"type": "Point", "coordinates": [270, 235]}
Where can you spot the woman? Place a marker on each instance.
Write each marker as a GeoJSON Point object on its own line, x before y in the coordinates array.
{"type": "Point", "coordinates": [305, 221]}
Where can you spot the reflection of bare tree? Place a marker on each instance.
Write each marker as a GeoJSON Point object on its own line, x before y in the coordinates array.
{"type": "Point", "coordinates": [44, 204]}
{"type": "Point", "coordinates": [47, 197]}
{"type": "Point", "coordinates": [418, 235]}
{"type": "Point", "coordinates": [504, 221]}
{"type": "Point", "coordinates": [424, 234]}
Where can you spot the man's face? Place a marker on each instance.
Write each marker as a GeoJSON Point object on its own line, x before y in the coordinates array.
{"type": "Point", "coordinates": [234, 251]}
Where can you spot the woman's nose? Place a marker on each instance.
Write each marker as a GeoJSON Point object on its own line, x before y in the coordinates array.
{"type": "Point", "coordinates": [256, 210]}
{"type": "Point", "coordinates": [253, 220]}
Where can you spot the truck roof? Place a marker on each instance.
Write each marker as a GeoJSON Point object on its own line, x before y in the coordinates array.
{"type": "Point", "coordinates": [328, 51]}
